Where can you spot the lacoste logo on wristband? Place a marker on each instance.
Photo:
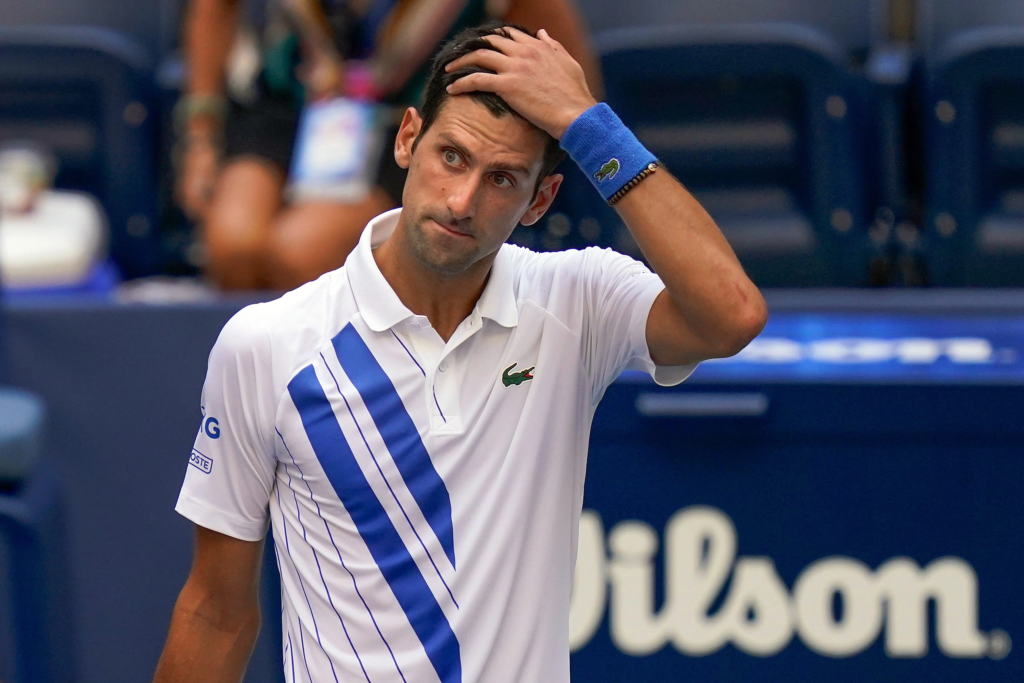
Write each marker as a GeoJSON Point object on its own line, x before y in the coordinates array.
{"type": "Point", "coordinates": [608, 171]}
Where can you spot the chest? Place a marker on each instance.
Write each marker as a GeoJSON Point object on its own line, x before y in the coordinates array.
{"type": "Point", "coordinates": [488, 392]}
{"type": "Point", "coordinates": [376, 424]}
{"type": "Point", "coordinates": [482, 385]}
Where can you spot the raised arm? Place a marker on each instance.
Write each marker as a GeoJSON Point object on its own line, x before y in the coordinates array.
{"type": "Point", "coordinates": [323, 65]}
{"type": "Point", "coordinates": [217, 616]}
{"type": "Point", "coordinates": [710, 308]}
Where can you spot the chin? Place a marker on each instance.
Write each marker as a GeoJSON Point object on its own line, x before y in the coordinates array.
{"type": "Point", "coordinates": [432, 255]}
{"type": "Point", "coordinates": [443, 263]}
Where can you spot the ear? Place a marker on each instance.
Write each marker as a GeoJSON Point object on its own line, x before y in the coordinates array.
{"type": "Point", "coordinates": [545, 195]}
{"type": "Point", "coordinates": [407, 133]}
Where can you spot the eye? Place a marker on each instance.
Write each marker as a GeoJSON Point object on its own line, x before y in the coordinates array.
{"type": "Point", "coordinates": [451, 157]}
{"type": "Point", "coordinates": [502, 180]}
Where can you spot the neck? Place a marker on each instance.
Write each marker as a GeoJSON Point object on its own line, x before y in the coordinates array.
{"type": "Point", "coordinates": [445, 300]}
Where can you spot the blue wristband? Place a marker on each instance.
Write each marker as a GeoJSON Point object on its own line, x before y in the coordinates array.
{"type": "Point", "coordinates": [605, 149]}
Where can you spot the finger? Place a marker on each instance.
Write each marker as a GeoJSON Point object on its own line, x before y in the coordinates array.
{"type": "Point", "coordinates": [189, 205]}
{"type": "Point", "coordinates": [484, 59]}
{"type": "Point", "coordinates": [506, 46]}
{"type": "Point", "coordinates": [193, 202]}
{"type": "Point", "coordinates": [519, 36]}
{"type": "Point", "coordinates": [200, 204]}
{"type": "Point", "coordinates": [196, 194]}
{"type": "Point", "coordinates": [480, 82]}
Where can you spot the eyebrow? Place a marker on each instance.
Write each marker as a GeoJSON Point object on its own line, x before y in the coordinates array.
{"type": "Point", "coordinates": [511, 168]}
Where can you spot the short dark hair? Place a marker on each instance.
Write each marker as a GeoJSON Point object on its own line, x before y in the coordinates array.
{"type": "Point", "coordinates": [466, 41]}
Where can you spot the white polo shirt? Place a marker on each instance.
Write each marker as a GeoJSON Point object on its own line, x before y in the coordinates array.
{"type": "Point", "coordinates": [425, 496]}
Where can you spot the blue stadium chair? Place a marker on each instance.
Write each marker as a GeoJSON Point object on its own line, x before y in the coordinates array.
{"type": "Point", "coordinates": [855, 25]}
{"type": "Point", "coordinates": [975, 142]}
{"type": "Point", "coordinates": [86, 94]}
{"type": "Point", "coordinates": [765, 124]}
{"type": "Point", "coordinates": [31, 528]}
{"type": "Point", "coordinates": [726, 88]}
{"type": "Point", "coordinates": [153, 25]}
{"type": "Point", "coordinates": [940, 21]}
{"type": "Point", "coordinates": [21, 420]}
{"type": "Point", "coordinates": [37, 594]}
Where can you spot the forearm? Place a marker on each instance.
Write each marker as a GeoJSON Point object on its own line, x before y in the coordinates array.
{"type": "Point", "coordinates": [313, 27]}
{"type": "Point", "coordinates": [205, 643]}
{"type": "Point", "coordinates": [209, 35]}
{"type": "Point", "coordinates": [411, 40]}
{"type": "Point", "coordinates": [712, 309]}
{"type": "Point", "coordinates": [703, 277]}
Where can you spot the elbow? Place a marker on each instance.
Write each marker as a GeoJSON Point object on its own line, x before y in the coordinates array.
{"type": "Point", "coordinates": [746, 323]}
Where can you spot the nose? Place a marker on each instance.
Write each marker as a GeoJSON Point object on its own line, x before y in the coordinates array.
{"type": "Point", "coordinates": [461, 196]}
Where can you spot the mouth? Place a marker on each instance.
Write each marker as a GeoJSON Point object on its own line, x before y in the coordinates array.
{"type": "Point", "coordinates": [449, 229]}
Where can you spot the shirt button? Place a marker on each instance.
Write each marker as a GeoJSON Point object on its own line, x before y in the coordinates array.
{"type": "Point", "coordinates": [443, 366]}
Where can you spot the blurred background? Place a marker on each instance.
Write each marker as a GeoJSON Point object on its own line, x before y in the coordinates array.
{"type": "Point", "coordinates": [840, 500]}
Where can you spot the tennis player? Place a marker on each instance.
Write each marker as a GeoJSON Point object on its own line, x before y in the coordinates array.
{"type": "Point", "coordinates": [414, 425]}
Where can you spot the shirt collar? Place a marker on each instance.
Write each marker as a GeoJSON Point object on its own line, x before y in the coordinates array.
{"type": "Point", "coordinates": [381, 308]}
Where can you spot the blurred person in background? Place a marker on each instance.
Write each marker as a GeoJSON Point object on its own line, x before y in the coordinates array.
{"type": "Point", "coordinates": [234, 152]}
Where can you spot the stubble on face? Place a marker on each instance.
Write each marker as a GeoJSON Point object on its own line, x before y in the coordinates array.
{"type": "Point", "coordinates": [448, 259]}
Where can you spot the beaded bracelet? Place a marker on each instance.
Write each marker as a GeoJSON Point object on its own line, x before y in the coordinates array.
{"type": "Point", "coordinates": [651, 168]}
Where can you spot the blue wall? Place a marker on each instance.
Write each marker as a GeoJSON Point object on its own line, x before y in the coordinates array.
{"type": "Point", "coordinates": [837, 444]}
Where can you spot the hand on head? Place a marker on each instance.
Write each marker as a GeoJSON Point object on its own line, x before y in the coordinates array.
{"type": "Point", "coordinates": [535, 76]}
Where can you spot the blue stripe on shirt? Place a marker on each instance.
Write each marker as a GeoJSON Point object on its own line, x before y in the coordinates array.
{"type": "Point", "coordinates": [382, 539]}
{"type": "Point", "coordinates": [399, 433]}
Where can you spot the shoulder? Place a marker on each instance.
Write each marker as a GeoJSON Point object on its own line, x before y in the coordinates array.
{"type": "Point", "coordinates": [291, 325]}
{"type": "Point", "coordinates": [569, 268]}
{"type": "Point", "coordinates": [532, 267]}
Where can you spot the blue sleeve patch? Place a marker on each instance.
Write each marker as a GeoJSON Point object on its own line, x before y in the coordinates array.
{"type": "Point", "coordinates": [200, 461]}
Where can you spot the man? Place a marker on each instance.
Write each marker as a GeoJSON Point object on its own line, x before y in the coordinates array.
{"type": "Point", "coordinates": [417, 420]}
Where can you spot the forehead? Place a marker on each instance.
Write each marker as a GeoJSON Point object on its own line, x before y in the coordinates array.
{"type": "Point", "coordinates": [490, 138]}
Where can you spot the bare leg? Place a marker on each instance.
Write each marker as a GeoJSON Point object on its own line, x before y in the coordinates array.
{"type": "Point", "coordinates": [313, 238]}
{"type": "Point", "coordinates": [245, 202]}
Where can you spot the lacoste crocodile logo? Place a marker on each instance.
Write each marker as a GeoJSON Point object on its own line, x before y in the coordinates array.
{"type": "Point", "coordinates": [515, 378]}
{"type": "Point", "coordinates": [608, 171]}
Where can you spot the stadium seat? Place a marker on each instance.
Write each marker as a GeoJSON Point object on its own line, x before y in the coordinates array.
{"type": "Point", "coordinates": [855, 25]}
{"type": "Point", "coordinates": [36, 593]}
{"type": "Point", "coordinates": [747, 101]}
{"type": "Point", "coordinates": [86, 94]}
{"type": "Point", "coordinates": [763, 122]}
{"type": "Point", "coordinates": [153, 25]}
{"type": "Point", "coordinates": [31, 529]}
{"type": "Point", "coordinates": [975, 141]}
{"type": "Point", "coordinates": [21, 419]}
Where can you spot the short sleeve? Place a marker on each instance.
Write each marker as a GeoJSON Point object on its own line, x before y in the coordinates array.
{"type": "Point", "coordinates": [230, 472]}
{"type": "Point", "coordinates": [619, 292]}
